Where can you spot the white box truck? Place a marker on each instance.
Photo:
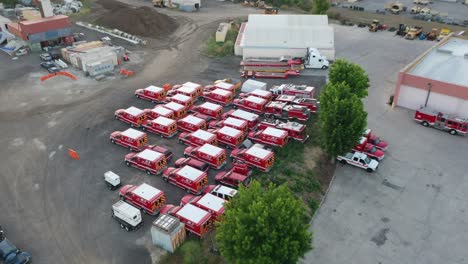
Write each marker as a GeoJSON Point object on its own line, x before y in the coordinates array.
{"type": "Point", "coordinates": [128, 216]}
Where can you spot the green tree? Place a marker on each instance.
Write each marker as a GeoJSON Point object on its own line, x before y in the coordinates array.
{"type": "Point", "coordinates": [264, 227]}
{"type": "Point", "coordinates": [352, 74]}
{"type": "Point", "coordinates": [320, 7]}
{"type": "Point", "coordinates": [342, 118]}
{"type": "Point", "coordinates": [9, 3]}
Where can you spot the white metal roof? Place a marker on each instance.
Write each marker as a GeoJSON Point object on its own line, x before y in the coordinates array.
{"type": "Point", "coordinates": [224, 85]}
{"type": "Point", "coordinates": [244, 115]}
{"type": "Point", "coordinates": [292, 126]}
{"type": "Point", "coordinates": [261, 92]}
{"type": "Point", "coordinates": [192, 213]}
{"type": "Point", "coordinates": [191, 84]}
{"type": "Point", "coordinates": [181, 97]}
{"type": "Point", "coordinates": [133, 111]}
{"type": "Point", "coordinates": [447, 63]}
{"type": "Point", "coordinates": [190, 173]}
{"type": "Point", "coordinates": [271, 131]}
{"type": "Point", "coordinates": [255, 99]}
{"type": "Point", "coordinates": [276, 104]}
{"type": "Point", "coordinates": [154, 89]}
{"type": "Point", "coordinates": [174, 106]}
{"type": "Point", "coordinates": [150, 155]}
{"type": "Point", "coordinates": [163, 121]}
{"type": "Point", "coordinates": [232, 132]}
{"type": "Point", "coordinates": [211, 106]}
{"type": "Point", "coordinates": [161, 110]}
{"type": "Point", "coordinates": [285, 97]}
{"type": "Point", "coordinates": [290, 20]}
{"type": "Point", "coordinates": [187, 89]}
{"type": "Point", "coordinates": [211, 202]}
{"type": "Point", "coordinates": [123, 206]}
{"type": "Point", "coordinates": [226, 190]}
{"type": "Point", "coordinates": [258, 152]}
{"type": "Point", "coordinates": [222, 92]}
{"type": "Point", "coordinates": [146, 191]}
{"type": "Point", "coordinates": [210, 149]}
{"type": "Point", "coordinates": [234, 122]}
{"type": "Point", "coordinates": [133, 133]}
{"type": "Point", "coordinates": [202, 134]}
{"type": "Point", "coordinates": [191, 119]}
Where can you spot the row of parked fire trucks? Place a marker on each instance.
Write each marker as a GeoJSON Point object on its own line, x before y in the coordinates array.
{"type": "Point", "coordinates": [207, 131]}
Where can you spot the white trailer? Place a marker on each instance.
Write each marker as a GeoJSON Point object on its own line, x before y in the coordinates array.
{"type": "Point", "coordinates": [128, 216]}
{"type": "Point", "coordinates": [112, 180]}
{"type": "Point", "coordinates": [252, 85]}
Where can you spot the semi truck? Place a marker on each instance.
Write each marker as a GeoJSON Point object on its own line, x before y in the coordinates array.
{"type": "Point", "coordinates": [188, 178]}
{"type": "Point", "coordinates": [144, 197]}
{"type": "Point", "coordinates": [132, 115]}
{"type": "Point", "coordinates": [130, 138]}
{"type": "Point", "coordinates": [127, 216]}
{"type": "Point", "coordinates": [311, 58]}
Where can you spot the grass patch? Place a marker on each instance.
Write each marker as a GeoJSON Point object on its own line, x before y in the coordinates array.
{"type": "Point", "coordinates": [193, 251]}
{"type": "Point", "coordinates": [222, 49]}
{"type": "Point", "coordinates": [85, 10]}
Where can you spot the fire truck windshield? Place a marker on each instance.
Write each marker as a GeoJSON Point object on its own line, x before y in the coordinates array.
{"type": "Point", "coordinates": [377, 141]}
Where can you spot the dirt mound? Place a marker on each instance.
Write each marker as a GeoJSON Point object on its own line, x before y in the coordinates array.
{"type": "Point", "coordinates": [141, 21]}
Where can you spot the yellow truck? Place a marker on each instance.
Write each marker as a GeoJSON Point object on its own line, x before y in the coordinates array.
{"type": "Point", "coordinates": [443, 33]}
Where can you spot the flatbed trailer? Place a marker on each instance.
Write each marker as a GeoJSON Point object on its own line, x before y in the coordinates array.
{"type": "Point", "coordinates": [271, 63]}
{"type": "Point", "coordinates": [270, 75]}
{"type": "Point", "coordinates": [273, 68]}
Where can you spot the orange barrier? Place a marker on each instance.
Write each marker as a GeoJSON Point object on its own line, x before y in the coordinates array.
{"type": "Point", "coordinates": [73, 154]}
{"type": "Point", "coordinates": [167, 86]}
{"type": "Point", "coordinates": [127, 73]}
{"type": "Point", "coordinates": [63, 73]}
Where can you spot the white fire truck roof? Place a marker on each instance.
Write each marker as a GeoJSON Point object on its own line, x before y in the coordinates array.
{"type": "Point", "coordinates": [258, 152]}
{"type": "Point", "coordinates": [187, 89]}
{"type": "Point", "coordinates": [133, 111]}
{"type": "Point", "coordinates": [234, 122]}
{"type": "Point", "coordinates": [146, 191]}
{"type": "Point", "coordinates": [224, 85]}
{"type": "Point", "coordinates": [150, 155]}
{"type": "Point", "coordinates": [232, 132]}
{"type": "Point", "coordinates": [245, 115]}
{"type": "Point", "coordinates": [210, 106]}
{"type": "Point", "coordinates": [160, 110]}
{"type": "Point", "coordinates": [202, 134]}
{"type": "Point", "coordinates": [174, 106]}
{"type": "Point", "coordinates": [181, 97]}
{"type": "Point", "coordinates": [271, 131]}
{"type": "Point", "coordinates": [276, 104]}
{"type": "Point", "coordinates": [367, 131]}
{"type": "Point", "coordinates": [164, 121]}
{"type": "Point", "coordinates": [261, 92]}
{"type": "Point", "coordinates": [133, 133]}
{"type": "Point", "coordinates": [362, 140]}
{"type": "Point", "coordinates": [154, 89]}
{"type": "Point", "coordinates": [289, 86]}
{"type": "Point", "coordinates": [255, 99]}
{"type": "Point", "coordinates": [222, 92]}
{"type": "Point", "coordinates": [191, 85]}
{"type": "Point", "coordinates": [212, 202]}
{"type": "Point", "coordinates": [292, 126]}
{"type": "Point", "coordinates": [191, 119]}
{"type": "Point", "coordinates": [210, 149]}
{"type": "Point", "coordinates": [225, 190]}
{"type": "Point", "coordinates": [190, 173]}
{"type": "Point", "coordinates": [192, 213]}
{"type": "Point", "coordinates": [285, 97]}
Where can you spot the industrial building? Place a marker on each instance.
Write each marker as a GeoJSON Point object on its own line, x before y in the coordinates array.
{"type": "Point", "coordinates": [275, 36]}
{"type": "Point", "coordinates": [437, 79]}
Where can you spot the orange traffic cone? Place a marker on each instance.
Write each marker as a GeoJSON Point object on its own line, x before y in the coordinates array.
{"type": "Point", "coordinates": [73, 154]}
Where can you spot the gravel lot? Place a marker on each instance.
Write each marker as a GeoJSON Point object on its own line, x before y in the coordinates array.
{"type": "Point", "coordinates": [413, 209]}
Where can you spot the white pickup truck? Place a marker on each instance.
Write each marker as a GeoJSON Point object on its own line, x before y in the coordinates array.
{"type": "Point", "coordinates": [360, 160]}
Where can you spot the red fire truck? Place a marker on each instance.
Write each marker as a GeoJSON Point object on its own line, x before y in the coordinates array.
{"type": "Point", "coordinates": [179, 110]}
{"type": "Point", "coordinates": [144, 197]}
{"type": "Point", "coordinates": [166, 152]}
{"type": "Point", "coordinates": [207, 202]}
{"type": "Point", "coordinates": [198, 88]}
{"type": "Point", "coordinates": [252, 119]}
{"type": "Point", "coordinates": [225, 86]}
{"type": "Point", "coordinates": [210, 154]}
{"type": "Point", "coordinates": [370, 150]}
{"type": "Point", "coordinates": [251, 103]}
{"type": "Point", "coordinates": [130, 138]}
{"type": "Point", "coordinates": [187, 178]}
{"type": "Point", "coordinates": [132, 115]}
{"type": "Point", "coordinates": [184, 100]}
{"type": "Point", "coordinates": [255, 156]}
{"type": "Point", "coordinates": [158, 111]}
{"type": "Point", "coordinates": [219, 96]}
{"type": "Point", "coordinates": [233, 178]}
{"type": "Point", "coordinates": [148, 160]}
{"type": "Point", "coordinates": [453, 124]}
{"type": "Point", "coordinates": [311, 103]}
{"type": "Point", "coordinates": [284, 111]}
{"type": "Point", "coordinates": [188, 91]}
{"type": "Point", "coordinates": [236, 123]}
{"type": "Point", "coordinates": [198, 138]}
{"type": "Point", "coordinates": [151, 93]}
{"type": "Point", "coordinates": [212, 110]}
{"type": "Point", "coordinates": [296, 131]}
{"type": "Point", "coordinates": [163, 126]}
{"type": "Point", "coordinates": [191, 123]}
{"type": "Point", "coordinates": [270, 136]}
{"type": "Point", "coordinates": [375, 140]}
{"type": "Point", "coordinates": [300, 91]}
{"type": "Point", "coordinates": [229, 137]}
{"type": "Point", "coordinates": [197, 221]}
{"type": "Point", "coordinates": [267, 95]}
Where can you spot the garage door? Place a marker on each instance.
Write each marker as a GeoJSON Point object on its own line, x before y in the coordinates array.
{"type": "Point", "coordinates": [412, 98]}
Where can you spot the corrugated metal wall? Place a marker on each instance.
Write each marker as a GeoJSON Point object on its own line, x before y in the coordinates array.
{"type": "Point", "coordinates": [49, 35]}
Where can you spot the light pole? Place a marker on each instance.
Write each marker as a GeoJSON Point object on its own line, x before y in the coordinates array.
{"type": "Point", "coordinates": [429, 85]}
